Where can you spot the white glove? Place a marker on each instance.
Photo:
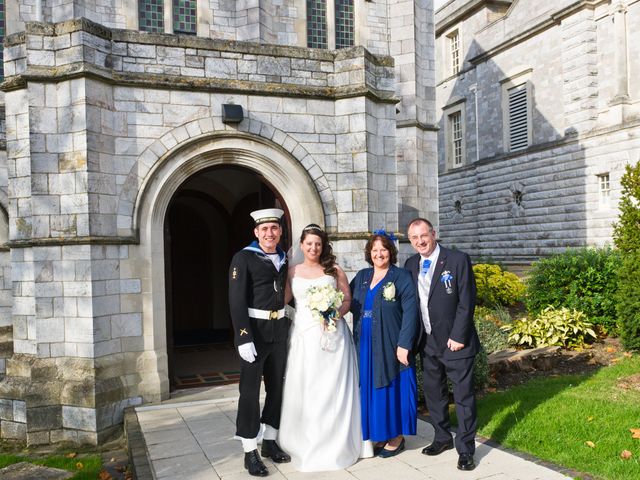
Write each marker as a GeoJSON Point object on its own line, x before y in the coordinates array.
{"type": "Point", "coordinates": [289, 312]}
{"type": "Point", "coordinates": [248, 352]}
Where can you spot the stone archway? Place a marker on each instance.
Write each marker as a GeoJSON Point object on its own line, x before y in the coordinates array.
{"type": "Point", "coordinates": [284, 174]}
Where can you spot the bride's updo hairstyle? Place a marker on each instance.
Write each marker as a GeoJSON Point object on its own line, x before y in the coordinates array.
{"type": "Point", "coordinates": [327, 258]}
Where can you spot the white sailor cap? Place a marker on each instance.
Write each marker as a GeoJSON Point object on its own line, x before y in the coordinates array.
{"type": "Point", "coordinates": [267, 215]}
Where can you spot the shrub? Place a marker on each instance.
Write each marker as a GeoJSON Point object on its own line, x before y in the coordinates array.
{"type": "Point", "coordinates": [496, 286]}
{"type": "Point", "coordinates": [552, 327]}
{"type": "Point", "coordinates": [626, 232]}
{"type": "Point", "coordinates": [584, 279]}
{"type": "Point", "coordinates": [480, 370]}
{"type": "Point", "coordinates": [628, 301]}
{"type": "Point", "coordinates": [488, 323]}
{"type": "Point", "coordinates": [627, 239]}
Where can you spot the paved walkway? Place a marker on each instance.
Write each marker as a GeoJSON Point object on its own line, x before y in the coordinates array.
{"type": "Point", "coordinates": [192, 438]}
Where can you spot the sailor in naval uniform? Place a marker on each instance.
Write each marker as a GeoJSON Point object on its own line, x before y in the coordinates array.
{"type": "Point", "coordinates": [257, 278]}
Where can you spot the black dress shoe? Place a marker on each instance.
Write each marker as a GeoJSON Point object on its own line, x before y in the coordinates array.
{"type": "Point", "coordinates": [377, 448]}
{"type": "Point", "coordinates": [436, 448]}
{"type": "Point", "coordinates": [270, 449]}
{"type": "Point", "coordinates": [253, 463]}
{"type": "Point", "coordinates": [465, 461]}
{"type": "Point", "coordinates": [384, 453]}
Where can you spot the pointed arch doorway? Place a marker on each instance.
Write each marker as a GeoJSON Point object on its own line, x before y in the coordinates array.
{"type": "Point", "coordinates": [207, 221]}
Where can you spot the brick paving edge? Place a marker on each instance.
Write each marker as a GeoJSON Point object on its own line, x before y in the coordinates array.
{"type": "Point", "coordinates": [136, 446]}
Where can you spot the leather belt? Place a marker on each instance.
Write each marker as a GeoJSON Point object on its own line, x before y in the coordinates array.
{"type": "Point", "coordinates": [266, 314]}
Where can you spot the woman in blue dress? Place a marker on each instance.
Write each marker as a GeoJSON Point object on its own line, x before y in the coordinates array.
{"type": "Point", "coordinates": [385, 323]}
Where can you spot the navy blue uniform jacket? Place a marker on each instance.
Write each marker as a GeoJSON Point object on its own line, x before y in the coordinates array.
{"type": "Point", "coordinates": [450, 311]}
{"type": "Point", "coordinates": [394, 323]}
{"type": "Point", "coordinates": [254, 282]}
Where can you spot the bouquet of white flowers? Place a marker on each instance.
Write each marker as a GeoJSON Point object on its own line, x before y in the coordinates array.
{"type": "Point", "coordinates": [324, 301]}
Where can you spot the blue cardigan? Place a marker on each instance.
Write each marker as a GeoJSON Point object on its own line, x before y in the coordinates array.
{"type": "Point", "coordinates": [394, 323]}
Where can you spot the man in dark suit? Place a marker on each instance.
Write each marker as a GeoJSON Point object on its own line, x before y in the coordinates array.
{"type": "Point", "coordinates": [449, 342]}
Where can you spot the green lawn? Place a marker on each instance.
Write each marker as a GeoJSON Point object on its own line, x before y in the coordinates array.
{"type": "Point", "coordinates": [553, 418]}
{"type": "Point", "coordinates": [91, 464]}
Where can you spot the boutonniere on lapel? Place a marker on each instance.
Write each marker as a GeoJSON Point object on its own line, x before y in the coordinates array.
{"type": "Point", "coordinates": [389, 292]}
{"type": "Point", "coordinates": [446, 278]}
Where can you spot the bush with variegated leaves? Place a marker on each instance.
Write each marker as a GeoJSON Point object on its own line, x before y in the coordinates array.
{"type": "Point", "coordinates": [552, 327]}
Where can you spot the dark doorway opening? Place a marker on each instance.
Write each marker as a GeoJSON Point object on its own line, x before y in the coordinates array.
{"type": "Point", "coordinates": [207, 221]}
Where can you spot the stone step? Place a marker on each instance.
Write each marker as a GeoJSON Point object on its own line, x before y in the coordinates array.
{"type": "Point", "coordinates": [523, 360]}
{"type": "Point", "coordinates": [29, 471]}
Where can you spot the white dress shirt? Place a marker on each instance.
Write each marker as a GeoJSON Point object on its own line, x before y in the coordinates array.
{"type": "Point", "coordinates": [424, 285]}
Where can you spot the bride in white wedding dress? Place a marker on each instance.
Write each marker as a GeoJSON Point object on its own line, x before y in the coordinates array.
{"type": "Point", "coordinates": [320, 423]}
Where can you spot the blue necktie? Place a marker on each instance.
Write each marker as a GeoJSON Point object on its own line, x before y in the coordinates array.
{"type": "Point", "coordinates": [425, 267]}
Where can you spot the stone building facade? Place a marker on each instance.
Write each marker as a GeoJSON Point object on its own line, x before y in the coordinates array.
{"type": "Point", "coordinates": [128, 175]}
{"type": "Point", "coordinates": [538, 116]}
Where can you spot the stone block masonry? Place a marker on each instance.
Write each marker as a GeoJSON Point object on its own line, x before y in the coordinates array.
{"type": "Point", "coordinates": [100, 123]}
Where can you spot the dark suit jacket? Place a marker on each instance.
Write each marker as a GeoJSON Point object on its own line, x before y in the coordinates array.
{"type": "Point", "coordinates": [394, 323]}
{"type": "Point", "coordinates": [450, 313]}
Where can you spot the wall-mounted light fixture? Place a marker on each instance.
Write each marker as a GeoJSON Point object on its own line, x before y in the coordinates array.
{"type": "Point", "coordinates": [232, 113]}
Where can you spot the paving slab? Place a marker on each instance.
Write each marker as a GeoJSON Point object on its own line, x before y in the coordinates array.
{"type": "Point", "coordinates": [192, 437]}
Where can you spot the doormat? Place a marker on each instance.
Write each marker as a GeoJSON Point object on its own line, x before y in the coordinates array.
{"type": "Point", "coordinates": [209, 379]}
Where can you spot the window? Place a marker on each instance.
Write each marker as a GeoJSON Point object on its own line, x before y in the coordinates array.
{"type": "Point", "coordinates": [454, 49]}
{"type": "Point", "coordinates": [518, 118]}
{"type": "Point", "coordinates": [317, 24]}
{"type": "Point", "coordinates": [604, 189]}
{"type": "Point", "coordinates": [185, 18]}
{"type": "Point", "coordinates": [455, 131]}
{"type": "Point", "coordinates": [324, 18]}
{"type": "Point", "coordinates": [345, 32]}
{"type": "Point", "coordinates": [150, 15]}
{"type": "Point", "coordinates": [453, 126]}
{"type": "Point", "coordinates": [2, 34]}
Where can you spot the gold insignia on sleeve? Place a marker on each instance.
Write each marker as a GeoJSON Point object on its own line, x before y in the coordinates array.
{"type": "Point", "coordinates": [234, 274]}
{"type": "Point", "coordinates": [243, 331]}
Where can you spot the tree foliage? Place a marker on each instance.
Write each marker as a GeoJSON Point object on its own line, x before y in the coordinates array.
{"type": "Point", "coordinates": [627, 239]}
{"type": "Point", "coordinates": [626, 232]}
{"type": "Point", "coordinates": [628, 301]}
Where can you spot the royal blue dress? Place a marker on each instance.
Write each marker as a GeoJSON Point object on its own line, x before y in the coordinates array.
{"type": "Point", "coordinates": [387, 411]}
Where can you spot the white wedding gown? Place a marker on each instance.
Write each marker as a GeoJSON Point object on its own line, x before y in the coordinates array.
{"type": "Point", "coordinates": [320, 424]}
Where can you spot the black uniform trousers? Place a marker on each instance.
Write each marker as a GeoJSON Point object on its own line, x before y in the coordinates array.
{"type": "Point", "coordinates": [270, 363]}
{"type": "Point", "coordinates": [436, 392]}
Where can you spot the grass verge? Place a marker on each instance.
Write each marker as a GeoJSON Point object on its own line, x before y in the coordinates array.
{"type": "Point", "coordinates": [553, 418]}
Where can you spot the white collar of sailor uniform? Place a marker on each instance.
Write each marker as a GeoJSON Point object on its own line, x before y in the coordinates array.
{"type": "Point", "coordinates": [255, 247]}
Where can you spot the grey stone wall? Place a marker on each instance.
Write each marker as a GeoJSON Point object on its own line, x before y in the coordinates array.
{"type": "Point", "coordinates": [412, 44]}
{"type": "Point", "coordinates": [519, 206]}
